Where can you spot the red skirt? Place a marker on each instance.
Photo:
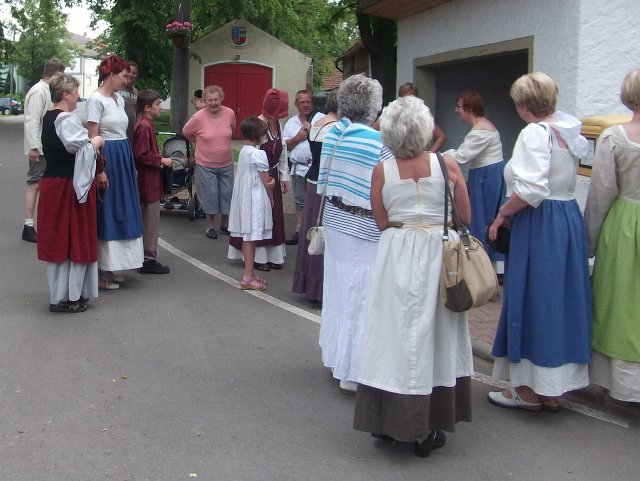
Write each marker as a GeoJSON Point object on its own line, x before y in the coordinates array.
{"type": "Point", "coordinates": [66, 228]}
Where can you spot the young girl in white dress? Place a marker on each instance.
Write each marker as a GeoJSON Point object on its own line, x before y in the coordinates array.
{"type": "Point", "coordinates": [250, 216]}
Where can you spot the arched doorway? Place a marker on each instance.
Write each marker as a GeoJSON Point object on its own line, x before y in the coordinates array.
{"type": "Point", "coordinates": [244, 86]}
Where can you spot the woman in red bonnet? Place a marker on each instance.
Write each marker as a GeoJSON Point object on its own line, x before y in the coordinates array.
{"type": "Point", "coordinates": [270, 252]}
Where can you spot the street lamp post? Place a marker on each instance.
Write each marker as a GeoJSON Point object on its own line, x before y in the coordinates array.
{"type": "Point", "coordinates": [11, 70]}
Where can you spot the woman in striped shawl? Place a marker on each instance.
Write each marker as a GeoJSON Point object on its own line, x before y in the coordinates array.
{"type": "Point", "coordinates": [349, 153]}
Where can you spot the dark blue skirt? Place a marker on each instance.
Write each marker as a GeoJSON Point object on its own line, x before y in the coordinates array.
{"type": "Point", "coordinates": [484, 185]}
{"type": "Point", "coordinates": [546, 314]}
{"type": "Point", "coordinates": [119, 214]}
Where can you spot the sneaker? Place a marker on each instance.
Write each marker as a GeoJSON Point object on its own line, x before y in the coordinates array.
{"type": "Point", "coordinates": [293, 240]}
{"type": "Point", "coordinates": [152, 266]}
{"type": "Point", "coordinates": [68, 307]}
{"type": "Point", "coordinates": [29, 234]}
{"type": "Point", "coordinates": [211, 234]}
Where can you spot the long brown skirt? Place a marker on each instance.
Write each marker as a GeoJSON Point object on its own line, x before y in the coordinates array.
{"type": "Point", "coordinates": [409, 418]}
{"type": "Point", "coordinates": [308, 275]}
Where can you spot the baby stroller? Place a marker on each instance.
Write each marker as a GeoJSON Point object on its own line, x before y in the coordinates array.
{"type": "Point", "coordinates": [179, 178]}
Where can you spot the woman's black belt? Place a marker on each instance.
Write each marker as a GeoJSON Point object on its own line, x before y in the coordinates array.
{"type": "Point", "coordinates": [351, 209]}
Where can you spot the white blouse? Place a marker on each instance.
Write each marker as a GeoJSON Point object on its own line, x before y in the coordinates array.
{"type": "Point", "coordinates": [539, 168]}
{"type": "Point", "coordinates": [75, 139]}
{"type": "Point", "coordinates": [480, 147]}
{"type": "Point", "coordinates": [109, 113]}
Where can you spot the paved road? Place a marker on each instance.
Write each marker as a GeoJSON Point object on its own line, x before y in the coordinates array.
{"type": "Point", "coordinates": [185, 377]}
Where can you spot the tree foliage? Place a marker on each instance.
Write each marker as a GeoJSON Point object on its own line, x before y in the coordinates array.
{"type": "Point", "coordinates": [136, 30]}
{"type": "Point", "coordinates": [305, 25]}
{"type": "Point", "coordinates": [7, 51]}
{"type": "Point", "coordinates": [42, 35]}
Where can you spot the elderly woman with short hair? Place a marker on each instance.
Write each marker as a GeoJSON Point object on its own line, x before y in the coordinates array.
{"type": "Point", "coordinates": [416, 364]}
{"type": "Point", "coordinates": [542, 344]}
{"type": "Point", "coordinates": [350, 151]}
{"type": "Point", "coordinates": [67, 238]}
{"type": "Point", "coordinates": [211, 129]}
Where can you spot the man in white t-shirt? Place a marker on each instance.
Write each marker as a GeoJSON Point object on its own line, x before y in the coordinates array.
{"type": "Point", "coordinates": [296, 136]}
{"type": "Point", "coordinates": [36, 103]}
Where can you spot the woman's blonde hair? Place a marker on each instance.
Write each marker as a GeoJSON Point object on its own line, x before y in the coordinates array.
{"type": "Point", "coordinates": [212, 89]}
{"type": "Point", "coordinates": [630, 92]}
{"type": "Point", "coordinates": [61, 83]}
{"type": "Point", "coordinates": [537, 92]}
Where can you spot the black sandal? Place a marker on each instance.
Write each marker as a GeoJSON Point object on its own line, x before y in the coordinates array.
{"type": "Point", "coordinates": [68, 307]}
{"type": "Point", "coordinates": [435, 440]}
{"type": "Point", "coordinates": [261, 267]}
{"type": "Point", "coordinates": [274, 266]}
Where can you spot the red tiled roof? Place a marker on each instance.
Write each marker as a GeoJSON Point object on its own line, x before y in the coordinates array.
{"type": "Point", "coordinates": [332, 81]}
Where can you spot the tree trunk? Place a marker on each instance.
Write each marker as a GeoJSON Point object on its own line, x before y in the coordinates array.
{"type": "Point", "coordinates": [379, 38]}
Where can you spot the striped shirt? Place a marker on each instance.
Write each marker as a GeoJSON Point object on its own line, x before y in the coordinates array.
{"type": "Point", "coordinates": [356, 150]}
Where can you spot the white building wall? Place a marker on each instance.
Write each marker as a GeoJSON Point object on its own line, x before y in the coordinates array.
{"type": "Point", "coordinates": [575, 41]}
{"type": "Point", "coordinates": [609, 49]}
{"type": "Point", "coordinates": [85, 70]}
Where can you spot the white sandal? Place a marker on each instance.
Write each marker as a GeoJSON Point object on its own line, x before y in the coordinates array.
{"type": "Point", "coordinates": [516, 402]}
{"type": "Point", "coordinates": [105, 284]}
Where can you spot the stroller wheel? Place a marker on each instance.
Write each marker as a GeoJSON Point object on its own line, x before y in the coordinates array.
{"type": "Point", "coordinates": [191, 208]}
{"type": "Point", "coordinates": [198, 206]}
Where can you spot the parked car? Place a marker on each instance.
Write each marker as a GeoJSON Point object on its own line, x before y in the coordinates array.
{"type": "Point", "coordinates": [16, 107]}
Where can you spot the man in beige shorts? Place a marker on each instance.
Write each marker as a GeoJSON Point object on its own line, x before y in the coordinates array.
{"type": "Point", "coordinates": [36, 103]}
